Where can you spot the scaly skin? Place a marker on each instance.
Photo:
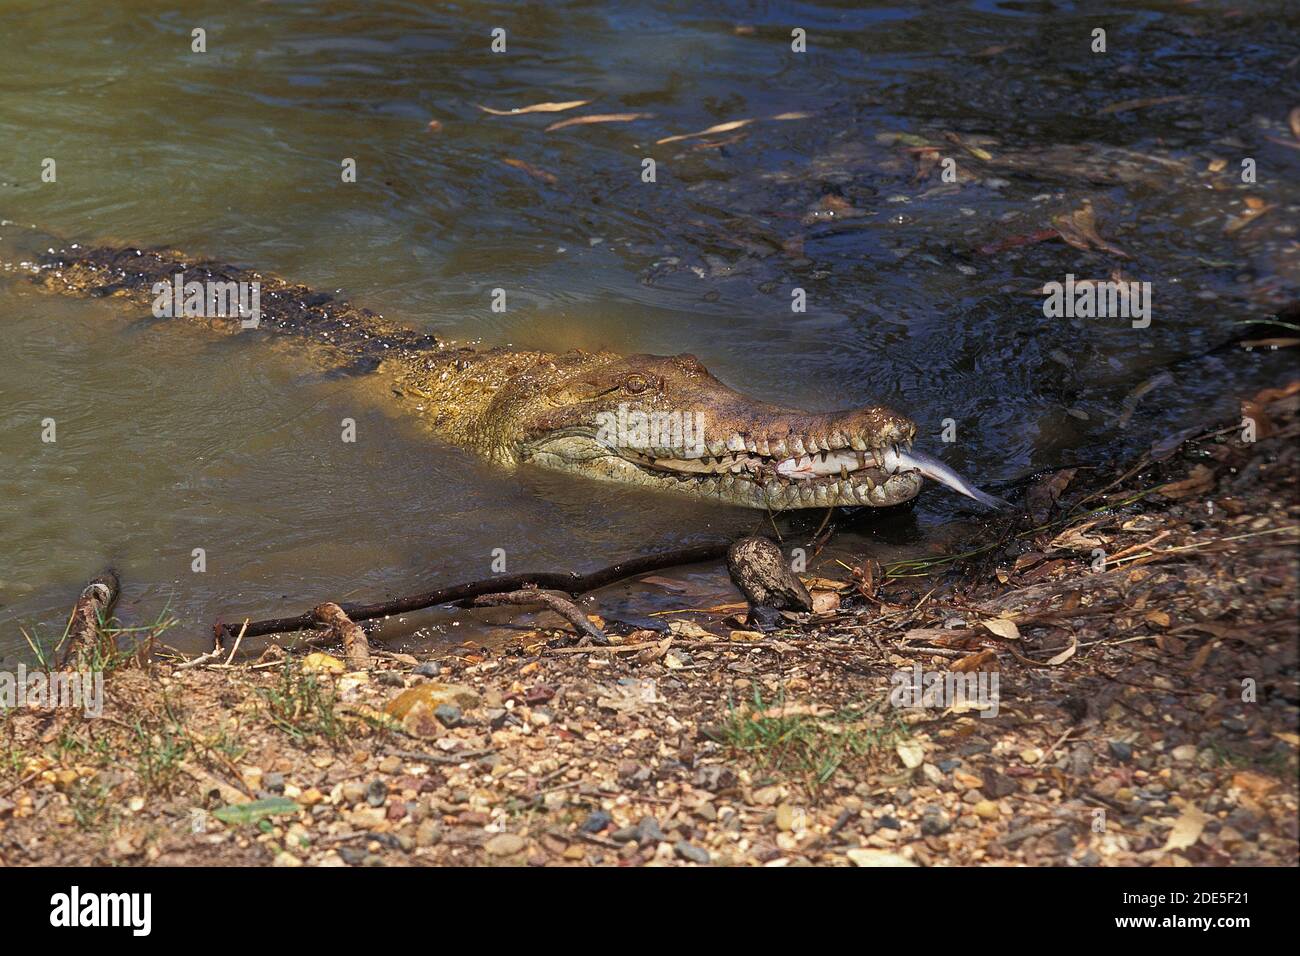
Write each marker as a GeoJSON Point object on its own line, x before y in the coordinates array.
{"type": "Point", "coordinates": [577, 412]}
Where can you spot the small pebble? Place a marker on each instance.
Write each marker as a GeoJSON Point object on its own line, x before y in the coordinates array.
{"type": "Point", "coordinates": [690, 852]}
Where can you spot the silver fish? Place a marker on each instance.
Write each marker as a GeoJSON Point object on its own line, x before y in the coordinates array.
{"type": "Point", "coordinates": [895, 459]}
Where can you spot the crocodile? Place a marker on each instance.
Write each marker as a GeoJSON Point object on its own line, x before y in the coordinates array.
{"type": "Point", "coordinates": [652, 421]}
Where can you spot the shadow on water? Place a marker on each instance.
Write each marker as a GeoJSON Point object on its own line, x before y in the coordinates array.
{"type": "Point", "coordinates": [921, 293]}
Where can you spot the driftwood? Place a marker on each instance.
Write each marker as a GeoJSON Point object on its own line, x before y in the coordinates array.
{"type": "Point", "coordinates": [759, 569]}
{"type": "Point", "coordinates": [356, 649]}
{"type": "Point", "coordinates": [566, 609]}
{"type": "Point", "coordinates": [570, 583]}
{"type": "Point", "coordinates": [96, 599]}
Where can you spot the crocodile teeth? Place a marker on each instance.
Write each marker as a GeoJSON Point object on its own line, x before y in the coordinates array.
{"type": "Point", "coordinates": [858, 442]}
{"type": "Point", "coordinates": [796, 447]}
{"type": "Point", "coordinates": [735, 443]}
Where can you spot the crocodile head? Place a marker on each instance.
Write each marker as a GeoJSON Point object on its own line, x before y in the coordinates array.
{"type": "Point", "coordinates": [666, 423]}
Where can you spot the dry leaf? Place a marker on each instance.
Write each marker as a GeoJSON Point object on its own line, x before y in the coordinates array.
{"type": "Point", "coordinates": [1256, 784]}
{"type": "Point", "coordinates": [535, 108]}
{"type": "Point", "coordinates": [984, 660]}
{"type": "Point", "coordinates": [651, 654]}
{"type": "Point", "coordinates": [1045, 492]}
{"type": "Point", "coordinates": [822, 584]}
{"type": "Point", "coordinates": [321, 663]}
{"type": "Point", "coordinates": [1079, 229]}
{"type": "Point", "coordinates": [720, 128]}
{"type": "Point", "coordinates": [1002, 627]}
{"type": "Point", "coordinates": [867, 578]}
{"type": "Point", "coordinates": [1200, 480]}
{"type": "Point", "coordinates": [537, 173]}
{"type": "Point", "coordinates": [1201, 657]}
{"type": "Point", "coordinates": [825, 601]}
{"type": "Point", "coordinates": [718, 143]}
{"type": "Point", "coordinates": [791, 710]}
{"type": "Point", "coordinates": [1252, 213]}
{"type": "Point", "coordinates": [1058, 659]}
{"type": "Point", "coordinates": [1187, 829]}
{"type": "Point", "coordinates": [598, 118]}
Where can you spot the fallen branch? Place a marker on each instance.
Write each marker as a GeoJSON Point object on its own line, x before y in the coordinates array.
{"type": "Point", "coordinates": [570, 583]}
{"type": "Point", "coordinates": [356, 649]}
{"type": "Point", "coordinates": [92, 607]}
{"type": "Point", "coordinates": [566, 609]}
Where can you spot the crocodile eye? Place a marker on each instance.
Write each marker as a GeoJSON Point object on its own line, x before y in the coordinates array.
{"type": "Point", "coordinates": [635, 383]}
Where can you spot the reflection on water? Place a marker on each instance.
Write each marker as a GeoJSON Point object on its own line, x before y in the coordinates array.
{"type": "Point", "coordinates": [921, 293]}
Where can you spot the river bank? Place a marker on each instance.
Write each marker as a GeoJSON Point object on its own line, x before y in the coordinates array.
{"type": "Point", "coordinates": [1138, 632]}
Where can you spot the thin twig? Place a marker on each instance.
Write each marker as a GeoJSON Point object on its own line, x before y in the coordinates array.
{"type": "Point", "coordinates": [571, 583]}
{"type": "Point", "coordinates": [234, 650]}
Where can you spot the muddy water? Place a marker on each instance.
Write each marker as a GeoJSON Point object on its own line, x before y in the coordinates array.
{"type": "Point", "coordinates": [920, 293]}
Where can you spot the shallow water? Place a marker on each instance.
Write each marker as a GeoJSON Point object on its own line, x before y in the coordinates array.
{"type": "Point", "coordinates": [170, 439]}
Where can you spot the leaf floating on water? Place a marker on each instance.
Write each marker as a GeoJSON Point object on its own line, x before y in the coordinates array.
{"type": "Point", "coordinates": [1129, 105]}
{"type": "Point", "coordinates": [598, 118]}
{"type": "Point", "coordinates": [729, 126]}
{"type": "Point", "coordinates": [435, 126]}
{"type": "Point", "coordinates": [536, 172]}
{"type": "Point", "coordinates": [720, 128]}
{"type": "Point", "coordinates": [1293, 119]}
{"type": "Point", "coordinates": [719, 143]}
{"type": "Point", "coordinates": [1253, 211]}
{"type": "Point", "coordinates": [535, 108]}
{"type": "Point", "coordinates": [979, 153]}
{"type": "Point", "coordinates": [1079, 229]}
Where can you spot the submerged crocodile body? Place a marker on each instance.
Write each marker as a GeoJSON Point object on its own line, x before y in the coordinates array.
{"type": "Point", "coordinates": [660, 422]}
